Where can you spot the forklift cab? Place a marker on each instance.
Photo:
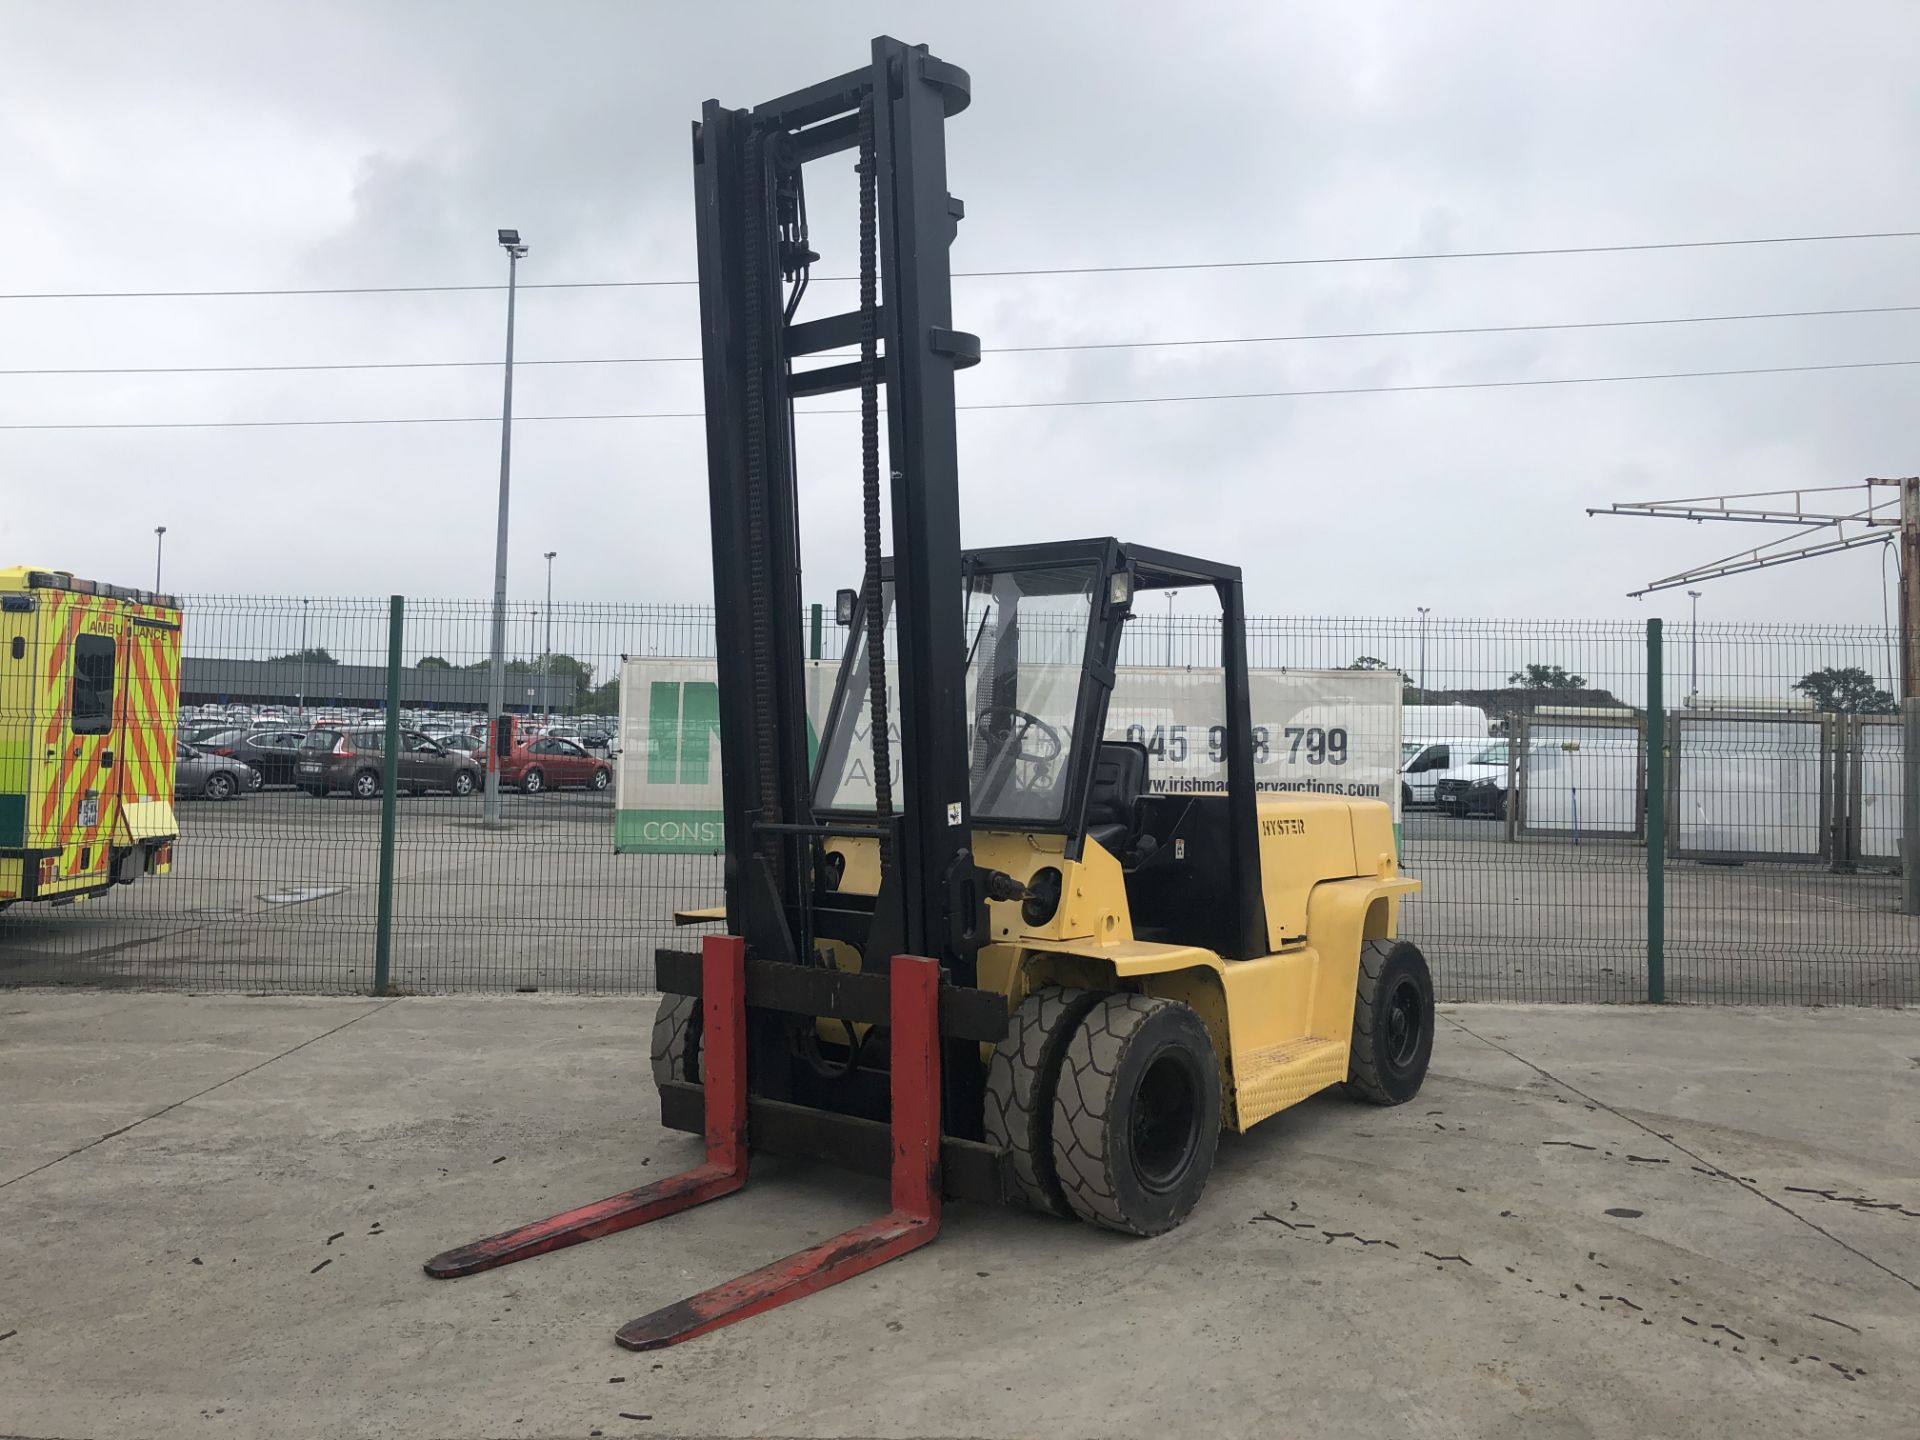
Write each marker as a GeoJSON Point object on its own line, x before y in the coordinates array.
{"type": "Point", "coordinates": [1044, 634]}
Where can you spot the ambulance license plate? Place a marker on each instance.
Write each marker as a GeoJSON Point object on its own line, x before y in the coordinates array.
{"type": "Point", "coordinates": [90, 809]}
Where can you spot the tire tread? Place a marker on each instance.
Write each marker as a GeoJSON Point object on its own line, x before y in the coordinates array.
{"type": "Point", "coordinates": [1363, 1070]}
{"type": "Point", "coordinates": [674, 1050]}
{"type": "Point", "coordinates": [1083, 1159]}
{"type": "Point", "coordinates": [1021, 1082]}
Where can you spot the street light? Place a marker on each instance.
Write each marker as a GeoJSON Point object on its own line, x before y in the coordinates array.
{"type": "Point", "coordinates": [497, 670]}
{"type": "Point", "coordinates": [1693, 651]}
{"type": "Point", "coordinates": [1423, 609]}
{"type": "Point", "coordinates": [159, 539]}
{"type": "Point", "coordinates": [546, 666]}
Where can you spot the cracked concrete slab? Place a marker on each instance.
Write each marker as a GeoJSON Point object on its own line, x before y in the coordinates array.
{"type": "Point", "coordinates": [1590, 1221]}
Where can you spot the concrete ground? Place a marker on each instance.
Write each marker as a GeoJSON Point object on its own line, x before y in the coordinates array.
{"type": "Point", "coordinates": [1607, 1221]}
{"type": "Point", "coordinates": [276, 892]}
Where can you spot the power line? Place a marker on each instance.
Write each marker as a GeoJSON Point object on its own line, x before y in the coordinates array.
{"type": "Point", "coordinates": [992, 405]}
{"type": "Point", "coordinates": [993, 274]}
{"type": "Point", "coordinates": [998, 349]}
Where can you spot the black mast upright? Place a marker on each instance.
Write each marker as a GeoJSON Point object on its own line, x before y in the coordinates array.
{"type": "Point", "coordinates": [753, 262]}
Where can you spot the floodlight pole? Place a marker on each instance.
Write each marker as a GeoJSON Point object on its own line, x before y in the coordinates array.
{"type": "Point", "coordinates": [1909, 587]}
{"type": "Point", "coordinates": [497, 669]}
{"type": "Point", "coordinates": [546, 664]}
{"type": "Point", "coordinates": [1423, 609]}
{"type": "Point", "coordinates": [159, 539]}
{"type": "Point", "coordinates": [1693, 650]}
{"type": "Point", "coordinates": [1910, 694]}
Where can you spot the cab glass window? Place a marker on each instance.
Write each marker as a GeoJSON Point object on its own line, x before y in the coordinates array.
{"type": "Point", "coordinates": [93, 657]}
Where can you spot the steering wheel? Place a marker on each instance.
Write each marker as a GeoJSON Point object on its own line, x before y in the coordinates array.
{"type": "Point", "coordinates": [1011, 741]}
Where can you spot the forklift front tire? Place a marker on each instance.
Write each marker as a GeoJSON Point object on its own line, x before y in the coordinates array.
{"type": "Point", "coordinates": [676, 1039]}
{"type": "Point", "coordinates": [1392, 1023]}
{"type": "Point", "coordinates": [1136, 1115]}
{"type": "Point", "coordinates": [1021, 1081]}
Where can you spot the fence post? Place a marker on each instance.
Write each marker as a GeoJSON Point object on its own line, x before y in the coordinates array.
{"type": "Point", "coordinates": [814, 649]}
{"type": "Point", "coordinates": [1910, 807]}
{"type": "Point", "coordinates": [389, 788]}
{"type": "Point", "coordinates": [1656, 820]}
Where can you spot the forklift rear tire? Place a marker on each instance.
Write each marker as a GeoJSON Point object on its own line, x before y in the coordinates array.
{"type": "Point", "coordinates": [1392, 1023]}
{"type": "Point", "coordinates": [676, 1039]}
{"type": "Point", "coordinates": [1021, 1081]}
{"type": "Point", "coordinates": [1136, 1115]}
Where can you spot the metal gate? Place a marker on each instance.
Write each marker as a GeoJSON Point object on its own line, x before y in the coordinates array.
{"type": "Point", "coordinates": [1875, 791]}
{"type": "Point", "coordinates": [1580, 776]}
{"type": "Point", "coordinates": [1751, 785]}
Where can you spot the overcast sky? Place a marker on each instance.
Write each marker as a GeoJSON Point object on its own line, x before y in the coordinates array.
{"type": "Point", "coordinates": [200, 145]}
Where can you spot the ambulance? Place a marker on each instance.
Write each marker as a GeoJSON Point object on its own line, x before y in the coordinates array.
{"type": "Point", "coordinates": [89, 702]}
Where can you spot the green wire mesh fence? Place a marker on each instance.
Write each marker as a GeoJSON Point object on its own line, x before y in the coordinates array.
{"type": "Point", "coordinates": [1525, 808]}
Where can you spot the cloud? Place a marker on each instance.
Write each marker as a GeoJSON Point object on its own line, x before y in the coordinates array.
{"type": "Point", "coordinates": [239, 145]}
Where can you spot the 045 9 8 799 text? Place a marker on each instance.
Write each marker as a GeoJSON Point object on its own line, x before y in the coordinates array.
{"type": "Point", "coordinates": [1308, 744]}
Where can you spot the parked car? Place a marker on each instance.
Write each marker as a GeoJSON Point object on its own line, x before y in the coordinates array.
{"type": "Point", "coordinates": [214, 777]}
{"type": "Point", "coordinates": [467, 744]}
{"type": "Point", "coordinates": [1425, 763]}
{"type": "Point", "coordinates": [1478, 787]}
{"type": "Point", "coordinates": [271, 753]}
{"type": "Point", "coordinates": [353, 760]}
{"type": "Point", "coordinates": [549, 764]}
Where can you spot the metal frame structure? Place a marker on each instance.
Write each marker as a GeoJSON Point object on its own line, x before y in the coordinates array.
{"type": "Point", "coordinates": [1852, 742]}
{"type": "Point", "coordinates": [1703, 723]}
{"type": "Point", "coordinates": [1872, 522]}
{"type": "Point", "coordinates": [1528, 728]}
{"type": "Point", "coordinates": [1140, 569]}
{"type": "Point", "coordinates": [751, 224]}
{"type": "Point", "coordinates": [753, 271]}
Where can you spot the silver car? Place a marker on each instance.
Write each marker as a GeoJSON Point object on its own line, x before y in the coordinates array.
{"type": "Point", "coordinates": [216, 777]}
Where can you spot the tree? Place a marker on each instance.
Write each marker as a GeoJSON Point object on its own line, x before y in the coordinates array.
{"type": "Point", "coordinates": [312, 655]}
{"type": "Point", "coordinates": [434, 662]}
{"type": "Point", "coordinates": [1369, 662]}
{"type": "Point", "coordinates": [1546, 677]}
{"type": "Point", "coordinates": [561, 666]}
{"type": "Point", "coordinates": [1849, 690]}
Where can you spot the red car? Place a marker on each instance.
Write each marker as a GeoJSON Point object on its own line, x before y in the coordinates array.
{"type": "Point", "coordinates": [553, 765]}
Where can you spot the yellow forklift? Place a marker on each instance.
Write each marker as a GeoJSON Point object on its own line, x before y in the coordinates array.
{"type": "Point", "coordinates": [967, 946]}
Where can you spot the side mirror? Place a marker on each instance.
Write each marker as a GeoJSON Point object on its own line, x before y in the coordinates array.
{"type": "Point", "coordinates": [843, 603]}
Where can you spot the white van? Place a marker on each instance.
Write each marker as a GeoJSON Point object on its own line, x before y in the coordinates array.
{"type": "Point", "coordinates": [1425, 763]}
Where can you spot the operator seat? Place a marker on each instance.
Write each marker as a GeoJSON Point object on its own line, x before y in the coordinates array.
{"type": "Point", "coordinates": [1113, 804]}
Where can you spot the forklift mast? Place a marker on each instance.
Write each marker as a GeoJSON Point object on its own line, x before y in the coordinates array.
{"type": "Point", "coordinates": [755, 265]}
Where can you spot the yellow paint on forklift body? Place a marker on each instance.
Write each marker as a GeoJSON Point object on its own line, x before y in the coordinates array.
{"type": "Point", "coordinates": [89, 707]}
{"type": "Point", "coordinates": [1281, 1024]}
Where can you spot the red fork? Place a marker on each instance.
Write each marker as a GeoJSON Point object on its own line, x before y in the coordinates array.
{"type": "Point", "coordinates": [723, 1067]}
{"type": "Point", "coordinates": [912, 1222]}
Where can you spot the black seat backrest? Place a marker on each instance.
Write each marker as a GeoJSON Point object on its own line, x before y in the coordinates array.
{"type": "Point", "coordinates": [1119, 780]}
